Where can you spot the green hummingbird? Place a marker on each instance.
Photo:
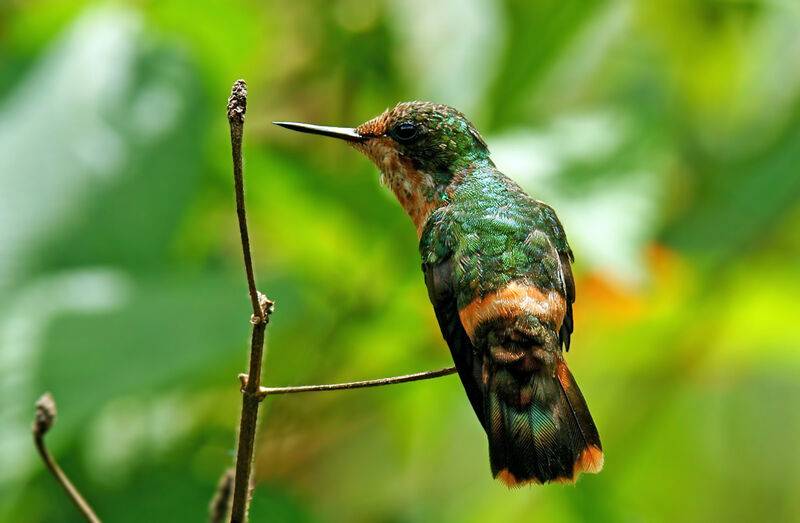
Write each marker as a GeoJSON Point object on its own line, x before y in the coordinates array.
{"type": "Point", "coordinates": [498, 270]}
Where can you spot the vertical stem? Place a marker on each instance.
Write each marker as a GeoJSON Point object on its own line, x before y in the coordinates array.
{"type": "Point", "coordinates": [247, 427]}
{"type": "Point", "coordinates": [237, 105]}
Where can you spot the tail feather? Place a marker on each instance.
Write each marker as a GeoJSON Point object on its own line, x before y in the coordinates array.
{"type": "Point", "coordinates": [539, 428]}
{"type": "Point", "coordinates": [591, 459]}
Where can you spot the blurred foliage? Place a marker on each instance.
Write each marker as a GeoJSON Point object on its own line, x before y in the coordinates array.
{"type": "Point", "coordinates": [665, 133]}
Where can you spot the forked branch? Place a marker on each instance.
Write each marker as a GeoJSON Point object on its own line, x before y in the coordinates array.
{"type": "Point", "coordinates": [252, 392]}
{"type": "Point", "coordinates": [262, 307]}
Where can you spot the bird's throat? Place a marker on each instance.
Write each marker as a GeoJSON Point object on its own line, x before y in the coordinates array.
{"type": "Point", "coordinates": [416, 190]}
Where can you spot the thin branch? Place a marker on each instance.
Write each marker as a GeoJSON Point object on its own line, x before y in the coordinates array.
{"type": "Point", "coordinates": [262, 307]}
{"type": "Point", "coordinates": [252, 392]}
{"type": "Point", "coordinates": [45, 417]}
{"type": "Point", "coordinates": [237, 106]}
{"type": "Point", "coordinates": [270, 391]}
{"type": "Point", "coordinates": [221, 504]}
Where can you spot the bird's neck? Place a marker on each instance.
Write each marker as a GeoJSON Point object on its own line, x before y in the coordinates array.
{"type": "Point", "coordinates": [420, 190]}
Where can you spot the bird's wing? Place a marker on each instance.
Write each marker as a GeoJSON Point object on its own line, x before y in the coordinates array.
{"type": "Point", "coordinates": [439, 280]}
{"type": "Point", "coordinates": [569, 287]}
{"type": "Point", "coordinates": [565, 257]}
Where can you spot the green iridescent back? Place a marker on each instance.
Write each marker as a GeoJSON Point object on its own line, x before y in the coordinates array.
{"type": "Point", "coordinates": [495, 234]}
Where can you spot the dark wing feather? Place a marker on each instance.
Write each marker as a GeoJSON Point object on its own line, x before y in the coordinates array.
{"type": "Point", "coordinates": [438, 279]}
{"type": "Point", "coordinates": [569, 289]}
{"type": "Point", "coordinates": [559, 240]}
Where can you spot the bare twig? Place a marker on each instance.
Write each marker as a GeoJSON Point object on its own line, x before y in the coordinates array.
{"type": "Point", "coordinates": [252, 392]}
{"type": "Point", "coordinates": [45, 417]}
{"type": "Point", "coordinates": [221, 504]}
{"type": "Point", "coordinates": [269, 391]}
{"type": "Point", "coordinates": [262, 307]}
{"type": "Point", "coordinates": [237, 106]}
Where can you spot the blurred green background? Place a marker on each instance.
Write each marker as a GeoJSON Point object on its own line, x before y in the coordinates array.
{"type": "Point", "coordinates": [665, 133]}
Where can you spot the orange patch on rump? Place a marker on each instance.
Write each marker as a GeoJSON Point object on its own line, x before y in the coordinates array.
{"type": "Point", "coordinates": [514, 299]}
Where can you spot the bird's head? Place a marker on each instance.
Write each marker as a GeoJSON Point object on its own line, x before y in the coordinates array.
{"type": "Point", "coordinates": [420, 147]}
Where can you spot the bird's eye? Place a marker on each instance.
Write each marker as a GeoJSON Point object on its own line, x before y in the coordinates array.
{"type": "Point", "coordinates": [405, 132]}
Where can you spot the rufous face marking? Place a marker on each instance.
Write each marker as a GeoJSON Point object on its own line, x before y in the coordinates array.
{"type": "Point", "coordinates": [415, 190]}
{"type": "Point", "coordinates": [419, 148]}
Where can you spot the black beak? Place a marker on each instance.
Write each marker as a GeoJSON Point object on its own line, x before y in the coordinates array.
{"type": "Point", "coordinates": [344, 133]}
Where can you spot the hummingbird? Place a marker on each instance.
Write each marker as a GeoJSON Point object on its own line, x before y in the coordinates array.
{"type": "Point", "coordinates": [497, 266]}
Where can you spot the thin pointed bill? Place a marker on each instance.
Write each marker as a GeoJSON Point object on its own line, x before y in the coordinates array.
{"type": "Point", "coordinates": [344, 133]}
